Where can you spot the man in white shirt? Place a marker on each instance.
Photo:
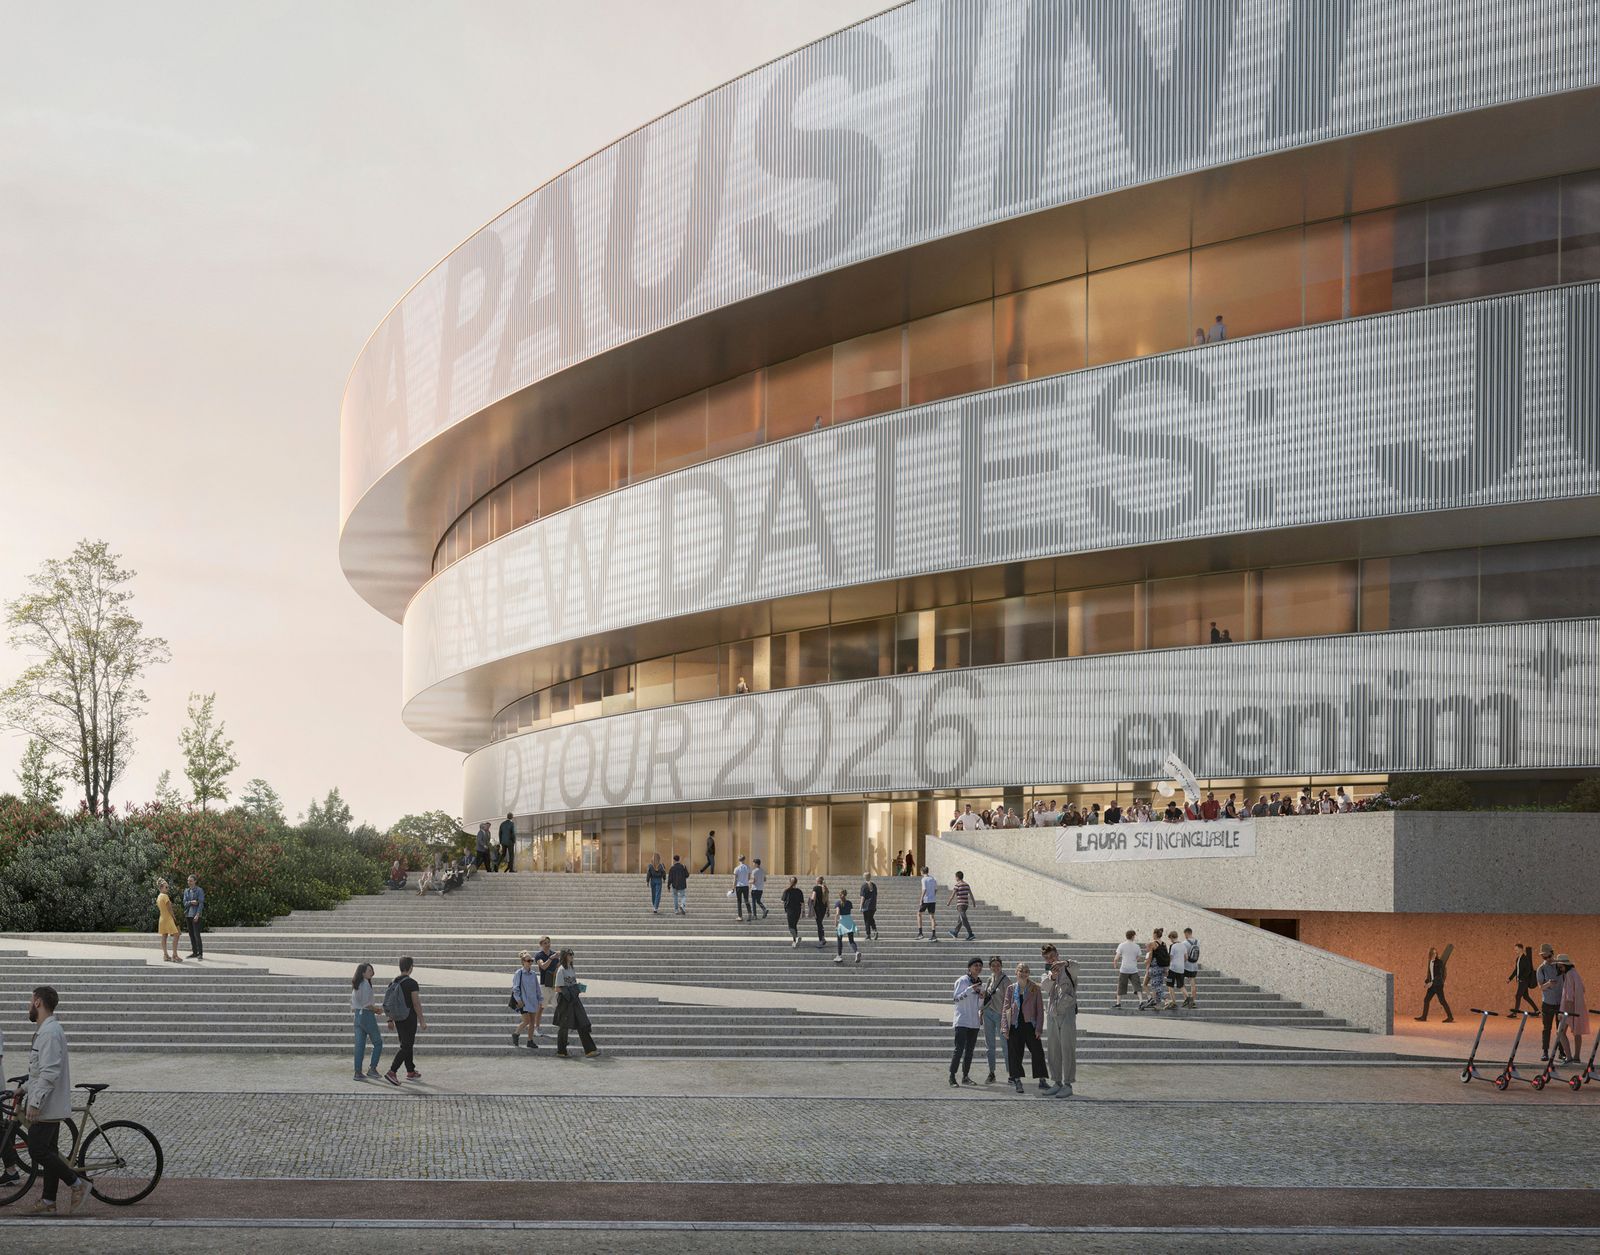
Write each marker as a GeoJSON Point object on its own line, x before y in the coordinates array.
{"type": "Point", "coordinates": [930, 892]}
{"type": "Point", "coordinates": [1126, 961]}
{"type": "Point", "coordinates": [1177, 971]}
{"type": "Point", "coordinates": [47, 1100]}
{"type": "Point", "coordinates": [758, 886]}
{"type": "Point", "coordinates": [969, 821]}
{"type": "Point", "coordinates": [968, 998]}
{"type": "Point", "coordinates": [1191, 966]}
{"type": "Point", "coordinates": [741, 890]}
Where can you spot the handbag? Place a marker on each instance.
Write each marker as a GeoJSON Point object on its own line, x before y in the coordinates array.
{"type": "Point", "coordinates": [511, 1002]}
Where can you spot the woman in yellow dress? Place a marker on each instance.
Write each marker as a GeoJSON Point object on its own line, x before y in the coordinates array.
{"type": "Point", "coordinates": [167, 926]}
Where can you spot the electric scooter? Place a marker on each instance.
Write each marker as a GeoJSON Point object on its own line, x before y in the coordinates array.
{"type": "Point", "coordinates": [1509, 1073]}
{"type": "Point", "coordinates": [1470, 1071]}
{"type": "Point", "coordinates": [1580, 1079]}
{"type": "Point", "coordinates": [1558, 1049]}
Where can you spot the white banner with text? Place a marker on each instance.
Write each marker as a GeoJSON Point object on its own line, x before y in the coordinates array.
{"type": "Point", "coordinates": [1116, 843]}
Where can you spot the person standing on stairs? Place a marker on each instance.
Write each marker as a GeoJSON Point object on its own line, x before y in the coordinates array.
{"type": "Point", "coordinates": [678, 882]}
{"type": "Point", "coordinates": [508, 842]}
{"type": "Point", "coordinates": [819, 910]}
{"type": "Point", "coordinates": [927, 906]}
{"type": "Point", "coordinates": [846, 927]}
{"type": "Point", "coordinates": [741, 892]}
{"type": "Point", "coordinates": [481, 856]}
{"type": "Point", "coordinates": [165, 924]}
{"type": "Point", "coordinates": [794, 904]}
{"type": "Point", "coordinates": [710, 865]}
{"type": "Point", "coordinates": [869, 905]}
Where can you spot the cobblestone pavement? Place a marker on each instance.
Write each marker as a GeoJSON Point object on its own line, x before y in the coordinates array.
{"type": "Point", "coordinates": [415, 1136]}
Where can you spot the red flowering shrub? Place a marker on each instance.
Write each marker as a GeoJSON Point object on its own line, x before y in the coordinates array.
{"type": "Point", "coordinates": [20, 820]}
{"type": "Point", "coordinates": [238, 860]}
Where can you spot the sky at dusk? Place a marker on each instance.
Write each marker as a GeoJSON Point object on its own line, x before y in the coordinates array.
{"type": "Point", "coordinates": [204, 211]}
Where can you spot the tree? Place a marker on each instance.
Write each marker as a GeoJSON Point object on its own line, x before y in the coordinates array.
{"type": "Point", "coordinates": [333, 813]}
{"type": "Point", "coordinates": [261, 802]}
{"type": "Point", "coordinates": [81, 692]}
{"type": "Point", "coordinates": [208, 757]}
{"type": "Point", "coordinates": [166, 795]}
{"type": "Point", "coordinates": [430, 828]}
{"type": "Point", "coordinates": [39, 775]}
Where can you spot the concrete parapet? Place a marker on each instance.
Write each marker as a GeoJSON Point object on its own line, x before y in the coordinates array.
{"type": "Point", "coordinates": [1037, 888]}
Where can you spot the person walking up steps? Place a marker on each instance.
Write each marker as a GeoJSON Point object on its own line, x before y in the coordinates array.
{"type": "Point", "coordinates": [481, 848]}
{"type": "Point", "coordinates": [930, 891]}
{"type": "Point", "coordinates": [1191, 968]}
{"type": "Point", "coordinates": [819, 910]}
{"type": "Point", "coordinates": [846, 927]}
{"type": "Point", "coordinates": [1061, 1022]}
{"type": "Point", "coordinates": [655, 876]}
{"type": "Point", "coordinates": [1126, 963]}
{"type": "Point", "coordinates": [711, 853]}
{"type": "Point", "coordinates": [366, 1020]}
{"type": "Point", "coordinates": [508, 843]}
{"type": "Point", "coordinates": [678, 882]}
{"type": "Point", "coordinates": [869, 906]}
{"type": "Point", "coordinates": [1155, 969]}
{"type": "Point", "coordinates": [1178, 949]}
{"type": "Point", "coordinates": [961, 897]}
{"type": "Point", "coordinates": [741, 892]}
{"type": "Point", "coordinates": [194, 902]}
{"type": "Point", "coordinates": [402, 1006]}
{"type": "Point", "coordinates": [994, 1005]}
{"type": "Point", "coordinates": [794, 905]}
{"type": "Point", "coordinates": [46, 1100]}
{"type": "Point", "coordinates": [968, 998]}
{"type": "Point", "coordinates": [527, 998]}
{"type": "Point", "coordinates": [758, 889]}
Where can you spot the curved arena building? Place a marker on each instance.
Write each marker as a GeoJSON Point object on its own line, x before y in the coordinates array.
{"type": "Point", "coordinates": [988, 400]}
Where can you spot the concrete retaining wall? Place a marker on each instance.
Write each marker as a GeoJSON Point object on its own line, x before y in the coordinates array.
{"type": "Point", "coordinates": [1338, 986]}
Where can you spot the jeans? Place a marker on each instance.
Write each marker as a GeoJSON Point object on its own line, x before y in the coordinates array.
{"type": "Point", "coordinates": [196, 948]}
{"type": "Point", "coordinates": [991, 1033]}
{"type": "Point", "coordinates": [406, 1031]}
{"type": "Point", "coordinates": [366, 1029]}
{"type": "Point", "coordinates": [961, 1058]}
{"type": "Point", "coordinates": [710, 865]}
{"type": "Point", "coordinates": [1025, 1037]}
{"type": "Point", "coordinates": [43, 1150]}
{"type": "Point", "coordinates": [1549, 1011]}
{"type": "Point", "coordinates": [741, 901]}
{"type": "Point", "coordinates": [756, 904]}
{"type": "Point", "coordinates": [679, 897]}
{"type": "Point", "coordinates": [655, 895]}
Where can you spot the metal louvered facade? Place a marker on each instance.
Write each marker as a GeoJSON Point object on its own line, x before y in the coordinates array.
{"type": "Point", "coordinates": [1508, 697]}
{"type": "Point", "coordinates": [936, 137]}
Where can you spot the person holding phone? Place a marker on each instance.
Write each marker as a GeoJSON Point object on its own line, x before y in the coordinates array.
{"type": "Point", "coordinates": [1061, 1022]}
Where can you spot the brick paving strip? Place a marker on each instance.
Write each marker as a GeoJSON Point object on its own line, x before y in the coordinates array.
{"type": "Point", "coordinates": [880, 1206]}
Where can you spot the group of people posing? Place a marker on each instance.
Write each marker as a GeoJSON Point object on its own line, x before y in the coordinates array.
{"type": "Point", "coordinates": [1039, 1019]}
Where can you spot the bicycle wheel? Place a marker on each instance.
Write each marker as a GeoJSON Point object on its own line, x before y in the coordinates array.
{"type": "Point", "coordinates": [16, 1141]}
{"type": "Point", "coordinates": [122, 1161]}
{"type": "Point", "coordinates": [69, 1126]}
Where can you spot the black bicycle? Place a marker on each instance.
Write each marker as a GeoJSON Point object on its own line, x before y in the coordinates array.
{"type": "Point", "coordinates": [121, 1160]}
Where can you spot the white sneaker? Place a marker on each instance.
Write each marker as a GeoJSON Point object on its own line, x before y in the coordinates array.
{"type": "Point", "coordinates": [794, 943]}
{"type": "Point", "coordinates": [839, 958]}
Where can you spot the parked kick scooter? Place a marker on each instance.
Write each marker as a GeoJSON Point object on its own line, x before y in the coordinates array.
{"type": "Point", "coordinates": [1509, 1073]}
{"type": "Point", "coordinates": [1558, 1048]}
{"type": "Point", "coordinates": [1580, 1079]}
{"type": "Point", "coordinates": [1470, 1072]}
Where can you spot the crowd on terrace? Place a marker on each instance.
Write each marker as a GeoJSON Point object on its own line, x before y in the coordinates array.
{"type": "Point", "coordinates": [1067, 814]}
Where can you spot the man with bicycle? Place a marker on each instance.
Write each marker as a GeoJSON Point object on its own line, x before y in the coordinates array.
{"type": "Point", "coordinates": [46, 1097]}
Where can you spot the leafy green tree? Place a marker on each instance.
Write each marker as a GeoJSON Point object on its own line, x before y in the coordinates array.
{"type": "Point", "coordinates": [261, 802]}
{"type": "Point", "coordinates": [87, 877]}
{"type": "Point", "coordinates": [166, 795]}
{"type": "Point", "coordinates": [1585, 795]}
{"type": "Point", "coordinates": [208, 757]}
{"type": "Point", "coordinates": [81, 693]}
{"type": "Point", "coordinates": [332, 813]}
{"type": "Point", "coordinates": [432, 828]}
{"type": "Point", "coordinates": [39, 775]}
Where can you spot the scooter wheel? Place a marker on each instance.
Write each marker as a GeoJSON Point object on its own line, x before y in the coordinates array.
{"type": "Point", "coordinates": [1501, 1082]}
{"type": "Point", "coordinates": [1466, 1075]}
{"type": "Point", "coordinates": [1538, 1082]}
{"type": "Point", "coordinates": [1575, 1083]}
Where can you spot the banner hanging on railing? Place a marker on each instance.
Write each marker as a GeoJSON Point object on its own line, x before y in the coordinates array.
{"type": "Point", "coordinates": [1115, 843]}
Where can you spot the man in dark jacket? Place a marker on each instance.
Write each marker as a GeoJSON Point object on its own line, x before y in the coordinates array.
{"type": "Point", "coordinates": [1523, 973]}
{"type": "Point", "coordinates": [711, 853]}
{"type": "Point", "coordinates": [678, 882]}
{"type": "Point", "coordinates": [1436, 974]}
{"type": "Point", "coordinates": [508, 842]}
{"type": "Point", "coordinates": [481, 857]}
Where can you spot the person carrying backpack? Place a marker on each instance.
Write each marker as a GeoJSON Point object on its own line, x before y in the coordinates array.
{"type": "Point", "coordinates": [402, 1005]}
